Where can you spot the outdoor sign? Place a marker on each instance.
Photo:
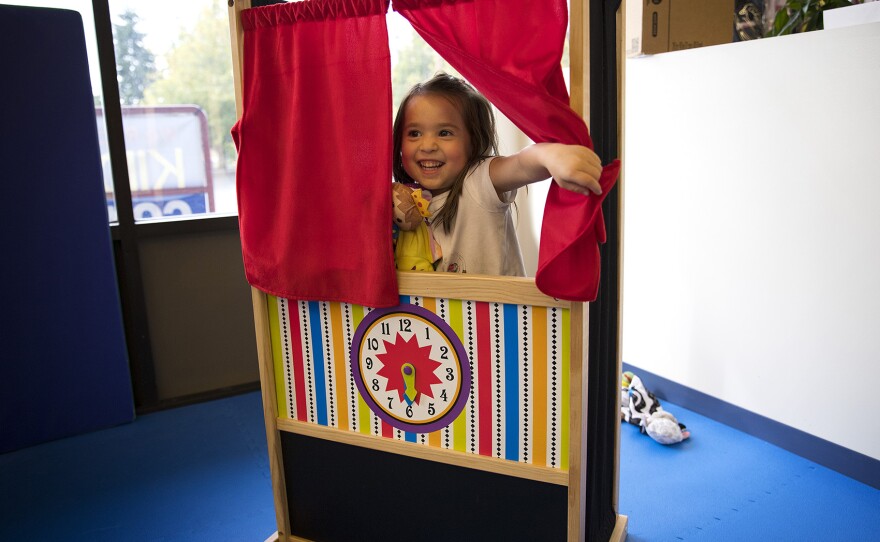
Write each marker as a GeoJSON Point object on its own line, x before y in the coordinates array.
{"type": "Point", "coordinates": [169, 165]}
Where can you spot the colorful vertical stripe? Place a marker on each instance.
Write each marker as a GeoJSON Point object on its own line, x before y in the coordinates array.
{"type": "Point", "coordinates": [283, 381]}
{"type": "Point", "coordinates": [511, 383]}
{"type": "Point", "coordinates": [539, 385]}
{"type": "Point", "coordinates": [518, 357]}
{"type": "Point", "coordinates": [483, 380]}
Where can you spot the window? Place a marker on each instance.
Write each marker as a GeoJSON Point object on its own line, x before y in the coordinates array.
{"type": "Point", "coordinates": [174, 67]}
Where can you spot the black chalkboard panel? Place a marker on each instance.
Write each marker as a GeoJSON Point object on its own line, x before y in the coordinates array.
{"type": "Point", "coordinates": [337, 492]}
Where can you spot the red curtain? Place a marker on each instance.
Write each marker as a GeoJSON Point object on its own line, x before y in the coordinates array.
{"type": "Point", "coordinates": [314, 144]}
{"type": "Point", "coordinates": [510, 50]}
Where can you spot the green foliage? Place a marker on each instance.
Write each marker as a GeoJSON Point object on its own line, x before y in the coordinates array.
{"type": "Point", "coordinates": [417, 62]}
{"type": "Point", "coordinates": [200, 72]}
{"type": "Point", "coordinates": [135, 64]}
{"type": "Point", "coordinates": [804, 15]}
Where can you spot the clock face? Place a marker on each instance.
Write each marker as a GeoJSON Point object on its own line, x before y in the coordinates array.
{"type": "Point", "coordinates": [410, 368]}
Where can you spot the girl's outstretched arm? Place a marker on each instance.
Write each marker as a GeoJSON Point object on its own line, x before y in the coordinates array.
{"type": "Point", "coordinates": [574, 168]}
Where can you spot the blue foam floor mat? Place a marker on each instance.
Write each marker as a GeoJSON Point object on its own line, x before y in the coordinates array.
{"type": "Point", "coordinates": [201, 473]}
{"type": "Point", "coordinates": [722, 484]}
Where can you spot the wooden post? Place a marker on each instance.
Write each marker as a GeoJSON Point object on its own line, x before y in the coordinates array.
{"type": "Point", "coordinates": [261, 313]}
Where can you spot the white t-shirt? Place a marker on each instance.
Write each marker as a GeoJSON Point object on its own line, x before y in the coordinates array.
{"type": "Point", "coordinates": [483, 238]}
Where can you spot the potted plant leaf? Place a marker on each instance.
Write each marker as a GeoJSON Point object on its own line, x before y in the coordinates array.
{"type": "Point", "coordinates": [803, 15]}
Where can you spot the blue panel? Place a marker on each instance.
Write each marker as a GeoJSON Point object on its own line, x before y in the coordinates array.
{"type": "Point", "coordinates": [318, 356]}
{"type": "Point", "coordinates": [63, 361]}
{"type": "Point", "coordinates": [511, 383]}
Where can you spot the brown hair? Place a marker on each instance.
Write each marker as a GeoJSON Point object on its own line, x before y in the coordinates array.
{"type": "Point", "coordinates": [476, 112]}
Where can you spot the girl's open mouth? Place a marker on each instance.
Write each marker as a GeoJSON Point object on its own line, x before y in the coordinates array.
{"type": "Point", "coordinates": [430, 165]}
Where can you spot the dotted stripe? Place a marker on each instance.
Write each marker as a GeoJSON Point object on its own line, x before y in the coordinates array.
{"type": "Point", "coordinates": [525, 383]}
{"type": "Point", "coordinates": [288, 357]}
{"type": "Point", "coordinates": [497, 343]}
{"type": "Point", "coordinates": [553, 384]}
{"type": "Point", "coordinates": [352, 393]}
{"type": "Point", "coordinates": [472, 399]}
{"type": "Point", "coordinates": [328, 366]}
{"type": "Point", "coordinates": [307, 357]}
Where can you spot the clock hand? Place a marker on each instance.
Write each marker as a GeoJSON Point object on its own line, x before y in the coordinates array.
{"type": "Point", "coordinates": [409, 382]}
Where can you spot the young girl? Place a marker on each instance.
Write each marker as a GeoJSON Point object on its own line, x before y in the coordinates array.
{"type": "Point", "coordinates": [444, 140]}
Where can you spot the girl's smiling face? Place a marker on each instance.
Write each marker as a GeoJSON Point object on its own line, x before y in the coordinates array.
{"type": "Point", "coordinates": [435, 142]}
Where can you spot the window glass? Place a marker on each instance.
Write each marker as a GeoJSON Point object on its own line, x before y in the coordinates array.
{"type": "Point", "coordinates": [174, 69]}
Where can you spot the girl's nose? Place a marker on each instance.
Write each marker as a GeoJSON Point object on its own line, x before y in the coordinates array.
{"type": "Point", "coordinates": [429, 144]}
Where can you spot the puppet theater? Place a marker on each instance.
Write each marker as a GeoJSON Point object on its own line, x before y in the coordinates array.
{"type": "Point", "coordinates": [426, 406]}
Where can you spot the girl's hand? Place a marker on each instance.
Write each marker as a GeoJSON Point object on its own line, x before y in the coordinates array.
{"type": "Point", "coordinates": [573, 167]}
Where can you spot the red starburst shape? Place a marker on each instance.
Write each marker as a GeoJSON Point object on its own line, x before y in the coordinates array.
{"type": "Point", "coordinates": [404, 351]}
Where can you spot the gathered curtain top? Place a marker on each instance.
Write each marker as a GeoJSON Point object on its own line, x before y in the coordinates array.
{"type": "Point", "coordinates": [415, 4]}
{"type": "Point", "coordinates": [310, 10]}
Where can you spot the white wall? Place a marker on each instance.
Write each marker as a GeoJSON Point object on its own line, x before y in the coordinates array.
{"type": "Point", "coordinates": [752, 227]}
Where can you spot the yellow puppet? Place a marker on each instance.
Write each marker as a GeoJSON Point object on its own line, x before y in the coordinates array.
{"type": "Point", "coordinates": [415, 248]}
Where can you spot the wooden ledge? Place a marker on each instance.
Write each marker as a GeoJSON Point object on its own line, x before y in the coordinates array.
{"type": "Point", "coordinates": [429, 453]}
{"type": "Point", "coordinates": [489, 288]}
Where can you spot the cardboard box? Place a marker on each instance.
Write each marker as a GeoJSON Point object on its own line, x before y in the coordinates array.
{"type": "Point", "coordinates": [659, 26]}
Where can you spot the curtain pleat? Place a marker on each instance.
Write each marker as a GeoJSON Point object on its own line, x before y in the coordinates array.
{"type": "Point", "coordinates": [510, 50]}
{"type": "Point", "coordinates": [314, 144]}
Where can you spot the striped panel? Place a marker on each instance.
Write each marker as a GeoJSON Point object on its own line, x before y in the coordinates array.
{"type": "Point", "coordinates": [518, 356]}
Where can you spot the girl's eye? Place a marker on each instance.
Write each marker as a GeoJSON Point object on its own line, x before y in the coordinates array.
{"type": "Point", "coordinates": [445, 133]}
{"type": "Point", "coordinates": [413, 133]}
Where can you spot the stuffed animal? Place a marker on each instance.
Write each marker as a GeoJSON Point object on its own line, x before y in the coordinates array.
{"type": "Point", "coordinates": [409, 206]}
{"type": "Point", "coordinates": [664, 428]}
{"type": "Point", "coordinates": [414, 246]}
{"type": "Point", "coordinates": [639, 407]}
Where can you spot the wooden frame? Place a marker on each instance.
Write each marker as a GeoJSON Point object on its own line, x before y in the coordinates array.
{"type": "Point", "coordinates": [507, 290]}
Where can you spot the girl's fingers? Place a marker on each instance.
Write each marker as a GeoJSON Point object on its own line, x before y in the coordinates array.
{"type": "Point", "coordinates": [584, 186]}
